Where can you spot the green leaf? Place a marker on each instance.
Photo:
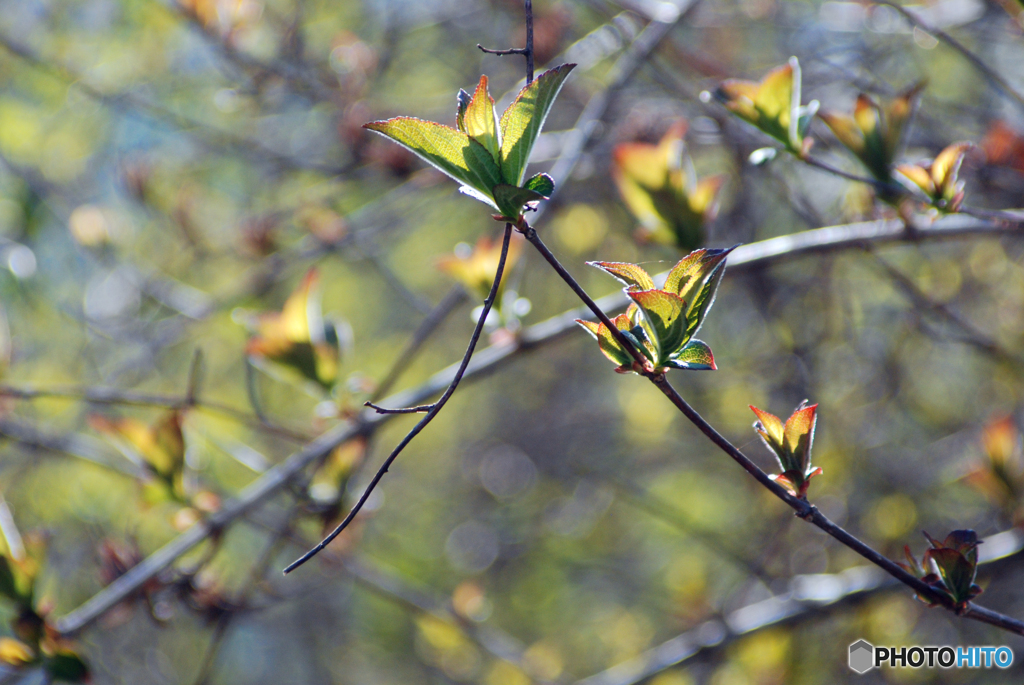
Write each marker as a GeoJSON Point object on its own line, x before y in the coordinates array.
{"type": "Point", "coordinates": [696, 355]}
{"type": "Point", "coordinates": [630, 274]}
{"type": "Point", "coordinates": [542, 183]}
{"type": "Point", "coordinates": [521, 123]}
{"type": "Point", "coordinates": [665, 314]}
{"type": "Point", "coordinates": [510, 199]}
{"type": "Point", "coordinates": [450, 151]}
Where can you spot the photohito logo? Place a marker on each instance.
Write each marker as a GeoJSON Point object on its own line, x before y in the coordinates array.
{"type": "Point", "coordinates": [864, 656]}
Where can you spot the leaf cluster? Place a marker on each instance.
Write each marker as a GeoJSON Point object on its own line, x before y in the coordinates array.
{"type": "Point", "coordinates": [487, 154]}
{"type": "Point", "coordinates": [661, 322]}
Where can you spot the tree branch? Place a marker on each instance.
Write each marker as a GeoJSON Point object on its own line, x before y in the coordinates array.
{"type": "Point", "coordinates": [754, 255]}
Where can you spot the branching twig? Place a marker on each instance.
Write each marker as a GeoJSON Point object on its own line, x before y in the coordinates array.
{"type": "Point", "coordinates": [431, 413]}
{"type": "Point", "coordinates": [527, 51]}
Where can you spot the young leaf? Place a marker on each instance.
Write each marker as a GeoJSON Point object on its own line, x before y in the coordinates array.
{"type": "Point", "coordinates": [521, 123]}
{"type": "Point", "coordinates": [773, 105]}
{"type": "Point", "coordinates": [695, 356]}
{"type": "Point", "coordinates": [298, 336]}
{"type": "Point", "coordinates": [660, 188]}
{"type": "Point", "coordinates": [476, 270]}
{"type": "Point", "coordinates": [480, 122]}
{"type": "Point", "coordinates": [939, 180]}
{"type": "Point", "coordinates": [632, 275]}
{"type": "Point", "coordinates": [541, 183]}
{"type": "Point", "coordinates": [450, 151]}
{"type": "Point", "coordinates": [609, 346]}
{"type": "Point", "coordinates": [512, 199]}
{"type": "Point", "coordinates": [665, 316]}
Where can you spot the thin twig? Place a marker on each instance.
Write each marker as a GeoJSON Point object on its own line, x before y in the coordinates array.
{"type": "Point", "coordinates": [406, 410]}
{"type": "Point", "coordinates": [117, 396]}
{"type": "Point", "coordinates": [434, 410]}
{"type": "Point", "coordinates": [527, 51]}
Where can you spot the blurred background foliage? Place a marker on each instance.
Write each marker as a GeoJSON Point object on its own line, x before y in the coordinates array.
{"type": "Point", "coordinates": [183, 176]}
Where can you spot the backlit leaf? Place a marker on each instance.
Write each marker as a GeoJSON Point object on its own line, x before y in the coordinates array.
{"type": "Point", "coordinates": [450, 151]}
{"type": "Point", "coordinates": [769, 427]}
{"type": "Point", "coordinates": [521, 123]}
{"type": "Point", "coordinates": [606, 341]}
{"type": "Point", "coordinates": [695, 355]}
{"type": "Point", "coordinates": [479, 120]}
{"type": "Point", "coordinates": [632, 275]}
{"type": "Point", "coordinates": [665, 316]}
{"type": "Point", "coordinates": [541, 183]}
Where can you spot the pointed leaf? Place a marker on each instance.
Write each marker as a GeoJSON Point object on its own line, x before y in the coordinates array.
{"type": "Point", "coordinates": [696, 355]}
{"type": "Point", "coordinates": [450, 151]}
{"type": "Point", "coordinates": [798, 434]}
{"type": "Point", "coordinates": [956, 571]}
{"type": "Point", "coordinates": [946, 167]}
{"type": "Point", "coordinates": [480, 122]}
{"type": "Point", "coordinates": [919, 176]}
{"type": "Point", "coordinates": [846, 129]}
{"type": "Point", "coordinates": [770, 429]}
{"type": "Point", "coordinates": [897, 115]}
{"type": "Point", "coordinates": [630, 274]}
{"type": "Point", "coordinates": [521, 123]}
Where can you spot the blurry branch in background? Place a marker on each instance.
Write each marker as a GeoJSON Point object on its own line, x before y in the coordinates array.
{"type": "Point", "coordinates": [809, 597]}
{"type": "Point", "coordinates": [114, 396]}
{"type": "Point", "coordinates": [296, 75]}
{"type": "Point", "coordinates": [126, 102]}
{"type": "Point", "coordinates": [991, 74]}
{"type": "Point", "coordinates": [970, 334]}
{"type": "Point", "coordinates": [257, 573]}
{"type": "Point", "coordinates": [430, 323]}
{"type": "Point", "coordinates": [745, 257]}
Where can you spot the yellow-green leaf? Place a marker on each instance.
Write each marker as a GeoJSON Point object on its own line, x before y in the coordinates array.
{"type": "Point", "coordinates": [480, 122]}
{"type": "Point", "coordinates": [630, 274]}
{"type": "Point", "coordinates": [450, 151]}
{"type": "Point", "coordinates": [521, 123]}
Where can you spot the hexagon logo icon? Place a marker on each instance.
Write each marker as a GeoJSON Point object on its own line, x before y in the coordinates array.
{"type": "Point", "coordinates": [862, 656]}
